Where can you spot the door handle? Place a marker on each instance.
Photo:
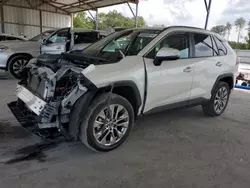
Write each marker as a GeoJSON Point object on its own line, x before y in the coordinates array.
{"type": "Point", "coordinates": [219, 64]}
{"type": "Point", "coordinates": [187, 69]}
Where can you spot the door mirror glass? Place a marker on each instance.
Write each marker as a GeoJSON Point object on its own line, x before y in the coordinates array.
{"type": "Point", "coordinates": [166, 53]}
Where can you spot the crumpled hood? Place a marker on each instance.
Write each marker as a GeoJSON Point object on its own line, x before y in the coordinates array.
{"type": "Point", "coordinates": [22, 46]}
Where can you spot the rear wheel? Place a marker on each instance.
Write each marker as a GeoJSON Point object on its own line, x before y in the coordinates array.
{"type": "Point", "coordinates": [104, 127]}
{"type": "Point", "coordinates": [219, 100]}
{"type": "Point", "coordinates": [17, 64]}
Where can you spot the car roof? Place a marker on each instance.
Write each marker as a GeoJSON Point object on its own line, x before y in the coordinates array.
{"type": "Point", "coordinates": [186, 28]}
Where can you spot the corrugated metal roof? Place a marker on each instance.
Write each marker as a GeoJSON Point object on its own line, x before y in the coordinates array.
{"type": "Point", "coordinates": [82, 5]}
{"type": "Point", "coordinates": [67, 6]}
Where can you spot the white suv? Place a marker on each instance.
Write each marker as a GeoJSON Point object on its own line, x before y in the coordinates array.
{"type": "Point", "coordinates": [97, 94]}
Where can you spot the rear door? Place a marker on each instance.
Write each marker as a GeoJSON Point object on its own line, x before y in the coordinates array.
{"type": "Point", "coordinates": [208, 65]}
{"type": "Point", "coordinates": [170, 83]}
{"type": "Point", "coordinates": [57, 43]}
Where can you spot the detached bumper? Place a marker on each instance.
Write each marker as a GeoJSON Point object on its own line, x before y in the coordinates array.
{"type": "Point", "coordinates": [25, 117]}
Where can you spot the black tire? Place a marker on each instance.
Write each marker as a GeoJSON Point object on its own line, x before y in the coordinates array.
{"type": "Point", "coordinates": [209, 107]}
{"type": "Point", "coordinates": [87, 124]}
{"type": "Point", "coordinates": [17, 59]}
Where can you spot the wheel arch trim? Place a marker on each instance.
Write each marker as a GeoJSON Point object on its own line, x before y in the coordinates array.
{"type": "Point", "coordinates": [226, 75]}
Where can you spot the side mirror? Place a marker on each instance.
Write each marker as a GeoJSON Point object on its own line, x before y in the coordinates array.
{"type": "Point", "coordinates": [166, 54]}
{"type": "Point", "coordinates": [45, 41]}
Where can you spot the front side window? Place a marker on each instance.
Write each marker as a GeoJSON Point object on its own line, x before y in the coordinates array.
{"type": "Point", "coordinates": [60, 36]}
{"type": "Point", "coordinates": [221, 48]}
{"type": "Point", "coordinates": [203, 45]}
{"type": "Point", "coordinates": [42, 36]}
{"type": "Point", "coordinates": [178, 41]}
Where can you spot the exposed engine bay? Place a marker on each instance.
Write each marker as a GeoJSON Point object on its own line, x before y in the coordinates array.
{"type": "Point", "coordinates": [50, 86]}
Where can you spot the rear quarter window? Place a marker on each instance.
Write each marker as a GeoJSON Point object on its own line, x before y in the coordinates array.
{"type": "Point", "coordinates": [222, 50]}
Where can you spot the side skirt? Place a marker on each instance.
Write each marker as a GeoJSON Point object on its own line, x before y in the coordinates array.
{"type": "Point", "coordinates": [178, 105]}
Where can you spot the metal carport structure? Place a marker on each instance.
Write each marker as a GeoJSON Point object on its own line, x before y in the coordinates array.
{"type": "Point", "coordinates": [35, 16]}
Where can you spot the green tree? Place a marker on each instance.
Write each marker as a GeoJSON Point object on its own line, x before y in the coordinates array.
{"type": "Point", "coordinates": [220, 29]}
{"type": "Point", "coordinates": [239, 23]}
{"type": "Point", "coordinates": [238, 45]}
{"type": "Point", "coordinates": [111, 19]}
{"type": "Point", "coordinates": [81, 20]}
{"type": "Point", "coordinates": [228, 29]}
{"type": "Point", "coordinates": [116, 19]}
{"type": "Point", "coordinates": [247, 38]}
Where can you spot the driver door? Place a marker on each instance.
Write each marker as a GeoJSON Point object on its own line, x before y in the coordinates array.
{"type": "Point", "coordinates": [169, 84]}
{"type": "Point", "coordinates": [57, 42]}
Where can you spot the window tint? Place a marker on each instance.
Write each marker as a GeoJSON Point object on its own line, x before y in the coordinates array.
{"type": "Point", "coordinates": [60, 37]}
{"type": "Point", "coordinates": [86, 37]}
{"type": "Point", "coordinates": [203, 45]}
{"type": "Point", "coordinates": [12, 38]}
{"type": "Point", "coordinates": [221, 48]}
{"type": "Point", "coordinates": [176, 41]}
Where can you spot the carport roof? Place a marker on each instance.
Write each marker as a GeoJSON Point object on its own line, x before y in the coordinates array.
{"type": "Point", "coordinates": [73, 6]}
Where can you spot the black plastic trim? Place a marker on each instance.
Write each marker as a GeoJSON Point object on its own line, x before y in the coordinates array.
{"type": "Point", "coordinates": [182, 104]}
{"type": "Point", "coordinates": [135, 88]}
{"type": "Point", "coordinates": [221, 77]}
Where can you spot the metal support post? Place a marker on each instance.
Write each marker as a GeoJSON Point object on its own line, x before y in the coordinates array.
{"type": "Point", "coordinates": [41, 21]}
{"type": "Point", "coordinates": [2, 18]}
{"type": "Point", "coordinates": [72, 20]}
{"type": "Point", "coordinates": [136, 16]}
{"type": "Point", "coordinates": [96, 20]}
{"type": "Point", "coordinates": [208, 7]}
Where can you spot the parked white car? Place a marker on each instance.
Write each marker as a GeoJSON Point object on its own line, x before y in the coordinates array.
{"type": "Point", "coordinates": [15, 56]}
{"type": "Point", "coordinates": [97, 94]}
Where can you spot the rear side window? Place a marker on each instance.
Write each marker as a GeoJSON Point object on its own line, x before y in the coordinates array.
{"type": "Point", "coordinates": [203, 45]}
{"type": "Point", "coordinates": [86, 37]}
{"type": "Point", "coordinates": [221, 48]}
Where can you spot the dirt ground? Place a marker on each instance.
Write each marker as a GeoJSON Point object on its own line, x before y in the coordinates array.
{"type": "Point", "coordinates": [181, 148]}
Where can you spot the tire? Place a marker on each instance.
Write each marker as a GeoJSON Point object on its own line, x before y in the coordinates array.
{"type": "Point", "coordinates": [209, 108]}
{"type": "Point", "coordinates": [89, 127]}
{"type": "Point", "coordinates": [16, 64]}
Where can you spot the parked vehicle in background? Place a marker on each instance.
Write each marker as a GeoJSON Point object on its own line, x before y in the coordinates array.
{"type": "Point", "coordinates": [97, 94]}
{"type": "Point", "coordinates": [243, 77]}
{"type": "Point", "coordinates": [14, 56]}
{"type": "Point", "coordinates": [8, 37]}
{"type": "Point", "coordinates": [71, 39]}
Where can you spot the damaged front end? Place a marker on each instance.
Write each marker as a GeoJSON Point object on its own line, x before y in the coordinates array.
{"type": "Point", "coordinates": [48, 91]}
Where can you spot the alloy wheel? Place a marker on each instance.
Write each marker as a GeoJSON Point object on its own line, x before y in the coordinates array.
{"type": "Point", "coordinates": [19, 65]}
{"type": "Point", "coordinates": [111, 125]}
{"type": "Point", "coordinates": [220, 100]}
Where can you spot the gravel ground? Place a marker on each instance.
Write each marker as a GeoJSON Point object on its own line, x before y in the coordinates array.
{"type": "Point", "coordinates": [181, 148]}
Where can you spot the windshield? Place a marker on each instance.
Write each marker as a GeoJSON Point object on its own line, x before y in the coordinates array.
{"type": "Point", "coordinates": [41, 36]}
{"type": "Point", "coordinates": [120, 44]}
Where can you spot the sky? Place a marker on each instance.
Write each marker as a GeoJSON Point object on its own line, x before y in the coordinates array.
{"type": "Point", "coordinates": [188, 12]}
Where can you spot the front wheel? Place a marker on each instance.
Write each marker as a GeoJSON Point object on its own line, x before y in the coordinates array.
{"type": "Point", "coordinates": [219, 100]}
{"type": "Point", "coordinates": [106, 126]}
{"type": "Point", "coordinates": [17, 64]}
